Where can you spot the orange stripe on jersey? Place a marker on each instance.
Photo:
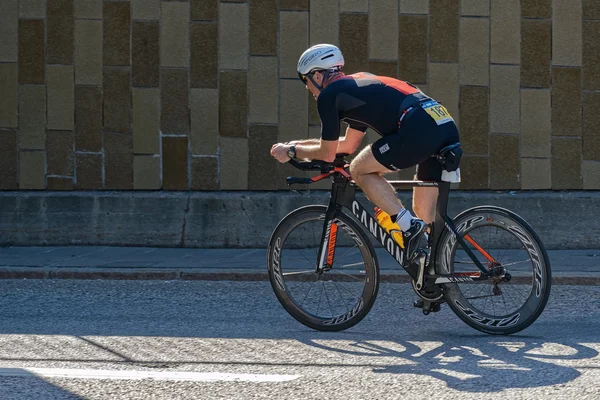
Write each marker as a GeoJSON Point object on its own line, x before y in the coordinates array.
{"type": "Point", "coordinates": [397, 84]}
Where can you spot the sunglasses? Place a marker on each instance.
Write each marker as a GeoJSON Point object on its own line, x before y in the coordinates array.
{"type": "Point", "coordinates": [303, 78]}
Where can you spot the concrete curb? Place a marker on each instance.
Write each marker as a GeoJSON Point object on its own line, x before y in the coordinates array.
{"type": "Point", "coordinates": [583, 279]}
{"type": "Point", "coordinates": [563, 220]}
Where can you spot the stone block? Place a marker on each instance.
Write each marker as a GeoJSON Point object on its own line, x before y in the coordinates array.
{"type": "Point", "coordinates": [117, 99]}
{"type": "Point", "coordinates": [59, 152]}
{"type": "Point", "coordinates": [233, 104]}
{"type": "Point", "coordinates": [414, 6]}
{"type": "Point", "coordinates": [146, 121]}
{"type": "Point", "coordinates": [474, 111]}
{"type": "Point", "coordinates": [413, 48]}
{"type": "Point", "coordinates": [204, 55]}
{"type": "Point", "coordinates": [324, 22]}
{"type": "Point", "coordinates": [89, 171]}
{"type": "Point", "coordinates": [116, 23]}
{"type": "Point", "coordinates": [88, 118]}
{"type": "Point", "coordinates": [566, 32]}
{"type": "Point", "coordinates": [474, 172]}
{"type": "Point", "coordinates": [293, 111]}
{"type": "Point", "coordinates": [9, 26]}
{"type": "Point", "coordinates": [504, 99]}
{"type": "Point", "coordinates": [361, 6]}
{"type": "Point", "coordinates": [591, 175]}
{"type": "Point", "coordinates": [146, 9]}
{"type": "Point", "coordinates": [591, 122]}
{"type": "Point", "coordinates": [174, 34]}
{"type": "Point", "coordinates": [61, 97]}
{"type": "Point", "coordinates": [59, 33]}
{"type": "Point", "coordinates": [9, 88]}
{"type": "Point", "coordinates": [384, 68]}
{"type": "Point", "coordinates": [299, 5]}
{"type": "Point", "coordinates": [233, 36]}
{"type": "Point", "coordinates": [480, 8]}
{"type": "Point", "coordinates": [263, 27]}
{"type": "Point", "coordinates": [205, 173]}
{"type": "Point", "coordinates": [474, 51]}
{"type": "Point", "coordinates": [591, 55]}
{"type": "Point", "coordinates": [566, 101]}
{"type": "Point", "coordinates": [32, 117]}
{"type": "Point", "coordinates": [262, 81]}
{"type": "Point", "coordinates": [536, 8]}
{"type": "Point", "coordinates": [354, 33]}
{"type": "Point", "coordinates": [145, 54]}
{"type": "Point", "coordinates": [204, 10]}
{"type": "Point", "coordinates": [535, 123]}
{"type": "Point", "coordinates": [89, 9]}
{"type": "Point", "coordinates": [443, 31]}
{"type": "Point", "coordinates": [233, 163]}
{"type": "Point", "coordinates": [88, 52]}
{"type": "Point", "coordinates": [32, 64]}
{"type": "Point", "coordinates": [505, 168]}
{"type": "Point", "coordinates": [566, 163]}
{"type": "Point", "coordinates": [205, 121]}
{"type": "Point", "coordinates": [60, 183]}
{"type": "Point", "coordinates": [174, 98]}
{"type": "Point", "coordinates": [146, 172]}
{"type": "Point", "coordinates": [535, 173]}
{"type": "Point", "coordinates": [9, 160]}
{"type": "Point", "coordinates": [443, 86]}
{"type": "Point", "coordinates": [118, 161]}
{"type": "Point", "coordinates": [175, 163]}
{"type": "Point", "coordinates": [590, 9]}
{"type": "Point", "coordinates": [32, 8]}
{"type": "Point", "coordinates": [32, 170]}
{"type": "Point", "coordinates": [261, 164]}
{"type": "Point", "coordinates": [506, 32]}
{"type": "Point", "coordinates": [293, 35]}
{"type": "Point", "coordinates": [383, 30]}
{"type": "Point", "coordinates": [536, 52]}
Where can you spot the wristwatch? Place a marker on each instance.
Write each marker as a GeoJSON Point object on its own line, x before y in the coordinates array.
{"type": "Point", "coordinates": [292, 152]}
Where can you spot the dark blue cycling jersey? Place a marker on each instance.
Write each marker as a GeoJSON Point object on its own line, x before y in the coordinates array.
{"type": "Point", "coordinates": [362, 100]}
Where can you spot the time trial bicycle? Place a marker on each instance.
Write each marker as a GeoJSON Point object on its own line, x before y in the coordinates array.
{"type": "Point", "coordinates": [487, 263]}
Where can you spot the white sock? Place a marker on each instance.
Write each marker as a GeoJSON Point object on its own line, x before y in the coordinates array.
{"type": "Point", "coordinates": [404, 219]}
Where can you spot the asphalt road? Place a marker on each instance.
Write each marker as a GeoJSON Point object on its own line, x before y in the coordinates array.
{"type": "Point", "coordinates": [74, 339]}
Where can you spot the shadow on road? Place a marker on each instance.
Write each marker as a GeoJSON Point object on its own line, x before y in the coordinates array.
{"type": "Point", "coordinates": [478, 365]}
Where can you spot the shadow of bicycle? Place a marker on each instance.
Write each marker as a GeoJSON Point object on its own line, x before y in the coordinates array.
{"type": "Point", "coordinates": [481, 366]}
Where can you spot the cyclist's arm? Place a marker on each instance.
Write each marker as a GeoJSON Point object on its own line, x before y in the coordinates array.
{"type": "Point", "coordinates": [325, 150]}
{"type": "Point", "coordinates": [349, 143]}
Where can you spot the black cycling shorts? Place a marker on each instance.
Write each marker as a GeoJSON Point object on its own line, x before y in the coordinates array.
{"type": "Point", "coordinates": [417, 138]}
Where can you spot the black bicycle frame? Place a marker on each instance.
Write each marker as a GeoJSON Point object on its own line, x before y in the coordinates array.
{"type": "Point", "coordinates": [343, 195]}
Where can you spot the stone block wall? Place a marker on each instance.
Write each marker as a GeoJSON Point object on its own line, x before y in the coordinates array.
{"type": "Point", "coordinates": [180, 95]}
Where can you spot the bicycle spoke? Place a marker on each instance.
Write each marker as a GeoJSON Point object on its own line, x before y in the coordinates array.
{"type": "Point", "coordinates": [297, 273]}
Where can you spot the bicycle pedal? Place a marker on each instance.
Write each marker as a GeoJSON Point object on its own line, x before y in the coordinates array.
{"type": "Point", "coordinates": [427, 306]}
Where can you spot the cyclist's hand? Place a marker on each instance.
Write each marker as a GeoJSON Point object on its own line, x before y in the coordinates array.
{"type": "Point", "coordinates": [279, 152]}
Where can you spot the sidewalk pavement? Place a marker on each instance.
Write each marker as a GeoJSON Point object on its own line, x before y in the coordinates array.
{"type": "Point", "coordinates": [88, 262]}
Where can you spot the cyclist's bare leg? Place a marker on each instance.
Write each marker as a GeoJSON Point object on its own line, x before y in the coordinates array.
{"type": "Point", "coordinates": [425, 203]}
{"type": "Point", "coordinates": [366, 172]}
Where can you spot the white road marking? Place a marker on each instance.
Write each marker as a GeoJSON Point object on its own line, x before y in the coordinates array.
{"type": "Point", "coordinates": [139, 375]}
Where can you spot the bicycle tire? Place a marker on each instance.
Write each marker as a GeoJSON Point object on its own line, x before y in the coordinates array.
{"type": "Point", "coordinates": [277, 269]}
{"type": "Point", "coordinates": [523, 316]}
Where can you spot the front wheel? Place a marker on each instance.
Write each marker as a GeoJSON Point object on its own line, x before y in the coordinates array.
{"type": "Point", "coordinates": [497, 237]}
{"type": "Point", "coordinates": [342, 294]}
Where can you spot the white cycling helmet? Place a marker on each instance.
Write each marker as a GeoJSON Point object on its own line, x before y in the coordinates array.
{"type": "Point", "coordinates": [326, 57]}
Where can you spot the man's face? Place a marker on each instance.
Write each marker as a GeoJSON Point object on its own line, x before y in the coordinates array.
{"type": "Point", "coordinates": [318, 78]}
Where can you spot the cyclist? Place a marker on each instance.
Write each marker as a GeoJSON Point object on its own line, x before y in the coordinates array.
{"type": "Point", "coordinates": [413, 126]}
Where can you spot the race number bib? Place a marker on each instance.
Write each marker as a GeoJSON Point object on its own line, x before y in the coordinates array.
{"type": "Point", "coordinates": [438, 112]}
